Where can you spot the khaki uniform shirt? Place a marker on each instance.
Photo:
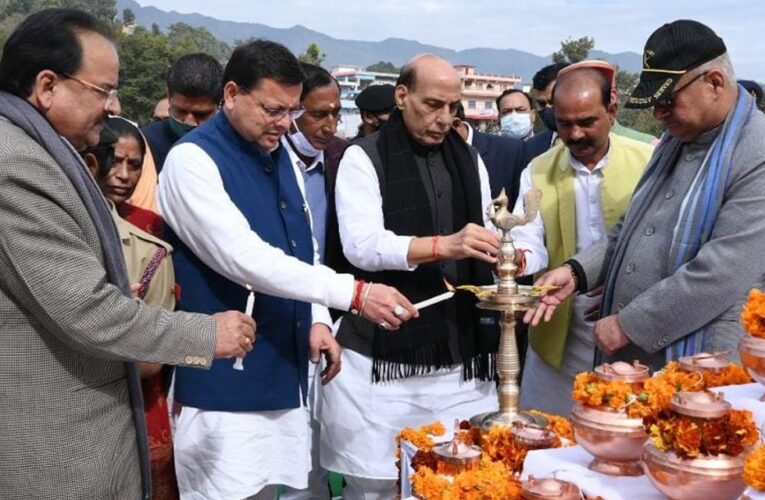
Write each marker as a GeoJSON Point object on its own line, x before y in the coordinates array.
{"type": "Point", "coordinates": [139, 247]}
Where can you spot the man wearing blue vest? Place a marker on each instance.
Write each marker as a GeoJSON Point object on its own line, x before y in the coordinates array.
{"type": "Point", "coordinates": [237, 217]}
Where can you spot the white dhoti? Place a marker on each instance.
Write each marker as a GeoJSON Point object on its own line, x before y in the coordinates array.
{"type": "Point", "coordinates": [549, 389]}
{"type": "Point", "coordinates": [235, 455]}
{"type": "Point", "coordinates": [360, 419]}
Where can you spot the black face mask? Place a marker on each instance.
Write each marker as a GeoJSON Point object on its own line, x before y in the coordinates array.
{"type": "Point", "coordinates": [548, 118]}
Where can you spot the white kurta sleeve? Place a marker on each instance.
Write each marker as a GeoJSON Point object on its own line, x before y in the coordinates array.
{"type": "Point", "coordinates": [366, 243]}
{"type": "Point", "coordinates": [531, 236]}
{"type": "Point", "coordinates": [194, 203]}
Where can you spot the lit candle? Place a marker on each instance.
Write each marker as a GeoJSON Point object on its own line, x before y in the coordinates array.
{"type": "Point", "coordinates": [434, 300]}
{"type": "Point", "coordinates": [239, 363]}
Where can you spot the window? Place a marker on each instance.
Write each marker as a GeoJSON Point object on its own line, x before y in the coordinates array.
{"type": "Point", "coordinates": [488, 105]}
{"type": "Point", "coordinates": [471, 104]}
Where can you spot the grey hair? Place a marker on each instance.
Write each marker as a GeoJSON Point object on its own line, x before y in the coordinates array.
{"type": "Point", "coordinates": [721, 63]}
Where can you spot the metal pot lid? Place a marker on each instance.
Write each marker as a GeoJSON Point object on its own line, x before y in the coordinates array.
{"type": "Point", "coordinates": [457, 452]}
{"type": "Point", "coordinates": [550, 488]}
{"type": "Point", "coordinates": [752, 345]}
{"type": "Point", "coordinates": [533, 436]}
{"type": "Point", "coordinates": [704, 361]}
{"type": "Point", "coordinates": [704, 404]}
{"type": "Point", "coordinates": [623, 372]}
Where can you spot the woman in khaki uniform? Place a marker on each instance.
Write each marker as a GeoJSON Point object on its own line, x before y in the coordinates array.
{"type": "Point", "coordinates": [116, 164]}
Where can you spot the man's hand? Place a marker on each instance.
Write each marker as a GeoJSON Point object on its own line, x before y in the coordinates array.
{"type": "Point", "coordinates": [609, 335]}
{"type": "Point", "coordinates": [561, 277]}
{"type": "Point", "coordinates": [592, 313]}
{"type": "Point", "coordinates": [471, 241]}
{"type": "Point", "coordinates": [386, 307]}
{"type": "Point", "coordinates": [321, 341]}
{"type": "Point", "coordinates": [234, 334]}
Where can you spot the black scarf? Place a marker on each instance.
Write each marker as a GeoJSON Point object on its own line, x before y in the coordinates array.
{"type": "Point", "coordinates": [423, 344]}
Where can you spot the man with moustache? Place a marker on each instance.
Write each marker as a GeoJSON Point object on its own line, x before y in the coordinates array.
{"type": "Point", "coordinates": [410, 205]}
{"type": "Point", "coordinates": [237, 217]}
{"type": "Point", "coordinates": [586, 183]}
{"type": "Point", "coordinates": [315, 153]}
{"type": "Point", "coordinates": [73, 419]}
{"type": "Point", "coordinates": [678, 267]}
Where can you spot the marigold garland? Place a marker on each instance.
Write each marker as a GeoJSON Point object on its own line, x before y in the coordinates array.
{"type": "Point", "coordinates": [690, 437]}
{"type": "Point", "coordinates": [754, 468]}
{"type": "Point", "coordinates": [655, 394]}
{"type": "Point", "coordinates": [420, 437]}
{"type": "Point", "coordinates": [559, 425]}
{"type": "Point", "coordinates": [489, 481]}
{"type": "Point", "coordinates": [753, 314]}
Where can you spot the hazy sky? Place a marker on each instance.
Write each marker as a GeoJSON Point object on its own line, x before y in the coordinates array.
{"type": "Point", "coordinates": [535, 26]}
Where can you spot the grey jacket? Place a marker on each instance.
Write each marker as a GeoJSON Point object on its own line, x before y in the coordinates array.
{"type": "Point", "coordinates": [66, 426]}
{"type": "Point", "coordinates": [655, 307]}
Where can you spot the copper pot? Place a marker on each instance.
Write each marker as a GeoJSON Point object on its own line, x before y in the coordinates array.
{"type": "Point", "coordinates": [614, 439]}
{"type": "Point", "coordinates": [752, 352]}
{"type": "Point", "coordinates": [717, 478]}
{"type": "Point", "coordinates": [550, 489]}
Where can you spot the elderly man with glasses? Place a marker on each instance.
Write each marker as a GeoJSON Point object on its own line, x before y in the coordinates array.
{"type": "Point", "coordinates": [238, 218]}
{"type": "Point", "coordinates": [678, 266]}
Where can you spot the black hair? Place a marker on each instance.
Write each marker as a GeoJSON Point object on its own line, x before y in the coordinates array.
{"type": "Point", "coordinates": [196, 75]}
{"type": "Point", "coordinates": [514, 91]}
{"type": "Point", "coordinates": [115, 127]}
{"type": "Point", "coordinates": [260, 59]}
{"type": "Point", "coordinates": [460, 112]}
{"type": "Point", "coordinates": [603, 83]}
{"type": "Point", "coordinates": [45, 40]}
{"type": "Point", "coordinates": [408, 76]}
{"type": "Point", "coordinates": [547, 75]}
{"type": "Point", "coordinates": [315, 77]}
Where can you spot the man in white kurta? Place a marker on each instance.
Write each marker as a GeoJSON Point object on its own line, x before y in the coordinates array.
{"type": "Point", "coordinates": [591, 174]}
{"type": "Point", "coordinates": [240, 450]}
{"type": "Point", "coordinates": [373, 398]}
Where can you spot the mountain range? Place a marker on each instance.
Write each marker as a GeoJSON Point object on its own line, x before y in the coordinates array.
{"type": "Point", "coordinates": [363, 53]}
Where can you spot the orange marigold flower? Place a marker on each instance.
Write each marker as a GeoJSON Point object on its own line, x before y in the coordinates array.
{"type": "Point", "coordinates": [753, 314]}
{"type": "Point", "coordinates": [559, 425]}
{"type": "Point", "coordinates": [754, 469]}
{"type": "Point", "coordinates": [687, 438]}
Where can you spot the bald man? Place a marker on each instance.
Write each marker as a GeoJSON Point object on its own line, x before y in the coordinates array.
{"type": "Point", "coordinates": [586, 184]}
{"type": "Point", "coordinates": [410, 203]}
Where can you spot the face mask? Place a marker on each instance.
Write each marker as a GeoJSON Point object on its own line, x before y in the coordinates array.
{"type": "Point", "coordinates": [548, 118]}
{"type": "Point", "coordinates": [515, 125]}
{"type": "Point", "coordinates": [303, 145]}
{"type": "Point", "coordinates": [179, 128]}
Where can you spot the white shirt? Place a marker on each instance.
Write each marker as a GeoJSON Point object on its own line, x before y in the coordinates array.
{"type": "Point", "coordinates": [193, 201]}
{"type": "Point", "coordinates": [590, 226]}
{"type": "Point", "coordinates": [366, 243]}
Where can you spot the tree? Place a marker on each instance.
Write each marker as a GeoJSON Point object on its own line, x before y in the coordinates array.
{"type": "Point", "coordinates": [383, 67]}
{"type": "Point", "coordinates": [184, 39]}
{"type": "Point", "coordinates": [144, 61]}
{"type": "Point", "coordinates": [312, 55]}
{"type": "Point", "coordinates": [572, 51]}
{"type": "Point", "coordinates": [128, 17]}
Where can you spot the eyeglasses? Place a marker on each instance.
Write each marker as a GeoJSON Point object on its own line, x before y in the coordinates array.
{"type": "Point", "coordinates": [109, 95]}
{"type": "Point", "coordinates": [669, 101]}
{"type": "Point", "coordinates": [279, 113]}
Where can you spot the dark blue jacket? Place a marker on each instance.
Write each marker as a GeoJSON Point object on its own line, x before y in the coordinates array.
{"type": "Point", "coordinates": [264, 189]}
{"type": "Point", "coordinates": [503, 157]}
{"type": "Point", "coordinates": [160, 138]}
{"type": "Point", "coordinates": [537, 145]}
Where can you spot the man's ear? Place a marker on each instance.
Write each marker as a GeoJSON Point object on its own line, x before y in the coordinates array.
{"type": "Point", "coordinates": [400, 95]}
{"type": "Point", "coordinates": [44, 89]}
{"type": "Point", "coordinates": [92, 164]}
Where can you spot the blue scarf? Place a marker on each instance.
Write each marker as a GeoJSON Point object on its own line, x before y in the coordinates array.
{"type": "Point", "coordinates": [698, 211]}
